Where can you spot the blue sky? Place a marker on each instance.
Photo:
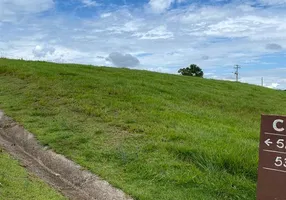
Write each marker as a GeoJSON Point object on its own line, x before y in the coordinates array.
{"type": "Point", "coordinates": [156, 35]}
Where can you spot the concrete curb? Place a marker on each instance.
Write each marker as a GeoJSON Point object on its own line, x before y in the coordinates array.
{"type": "Point", "coordinates": [63, 174]}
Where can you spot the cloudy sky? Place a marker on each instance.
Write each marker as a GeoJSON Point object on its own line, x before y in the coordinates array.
{"type": "Point", "coordinates": [157, 35]}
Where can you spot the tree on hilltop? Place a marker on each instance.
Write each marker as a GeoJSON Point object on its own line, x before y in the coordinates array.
{"type": "Point", "coordinates": [192, 70]}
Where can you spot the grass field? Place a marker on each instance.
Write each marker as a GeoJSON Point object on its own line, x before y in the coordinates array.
{"type": "Point", "coordinates": [17, 184]}
{"type": "Point", "coordinates": [156, 136]}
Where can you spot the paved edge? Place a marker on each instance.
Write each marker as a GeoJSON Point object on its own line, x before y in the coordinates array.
{"type": "Point", "coordinates": [59, 172]}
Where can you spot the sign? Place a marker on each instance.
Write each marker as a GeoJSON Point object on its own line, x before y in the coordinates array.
{"type": "Point", "coordinates": [272, 159]}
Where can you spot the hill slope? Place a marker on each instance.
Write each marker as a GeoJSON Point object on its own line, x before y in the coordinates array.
{"type": "Point", "coordinates": [156, 136]}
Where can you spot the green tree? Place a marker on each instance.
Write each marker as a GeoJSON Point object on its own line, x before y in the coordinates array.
{"type": "Point", "coordinates": [192, 70]}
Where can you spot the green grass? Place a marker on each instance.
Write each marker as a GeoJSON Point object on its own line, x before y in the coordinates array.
{"type": "Point", "coordinates": [156, 136]}
{"type": "Point", "coordinates": [17, 184]}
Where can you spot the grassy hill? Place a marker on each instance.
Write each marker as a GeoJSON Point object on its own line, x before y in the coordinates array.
{"type": "Point", "coordinates": [156, 136]}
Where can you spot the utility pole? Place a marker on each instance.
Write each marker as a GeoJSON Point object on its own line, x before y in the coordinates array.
{"type": "Point", "coordinates": [262, 81]}
{"type": "Point", "coordinates": [236, 71]}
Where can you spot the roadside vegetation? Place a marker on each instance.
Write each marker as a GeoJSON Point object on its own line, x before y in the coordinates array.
{"type": "Point", "coordinates": [17, 184]}
{"type": "Point", "coordinates": [156, 136]}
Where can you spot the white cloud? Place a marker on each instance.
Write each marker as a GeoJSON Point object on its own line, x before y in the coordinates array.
{"type": "Point", "coordinates": [130, 26]}
{"type": "Point", "coordinates": [104, 15]}
{"type": "Point", "coordinates": [160, 32]}
{"type": "Point", "coordinates": [41, 51]}
{"type": "Point", "coordinates": [89, 3]}
{"type": "Point", "coordinates": [11, 9]}
{"type": "Point", "coordinates": [272, 2]}
{"type": "Point", "coordinates": [273, 85]}
{"type": "Point", "coordinates": [159, 6]}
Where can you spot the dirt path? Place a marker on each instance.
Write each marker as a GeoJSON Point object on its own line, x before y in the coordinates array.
{"type": "Point", "coordinates": [62, 174]}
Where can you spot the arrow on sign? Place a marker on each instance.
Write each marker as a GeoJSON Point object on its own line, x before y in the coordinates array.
{"type": "Point", "coordinates": [268, 142]}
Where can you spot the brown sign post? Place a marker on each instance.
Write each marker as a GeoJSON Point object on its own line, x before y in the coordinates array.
{"type": "Point", "coordinates": [272, 159]}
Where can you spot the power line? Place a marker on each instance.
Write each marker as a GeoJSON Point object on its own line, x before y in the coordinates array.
{"type": "Point", "coordinates": [236, 71]}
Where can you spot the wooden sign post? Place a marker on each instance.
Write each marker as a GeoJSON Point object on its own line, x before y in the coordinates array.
{"type": "Point", "coordinates": [272, 159]}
